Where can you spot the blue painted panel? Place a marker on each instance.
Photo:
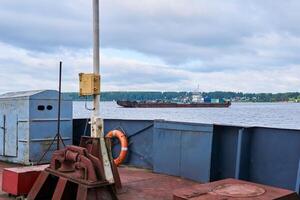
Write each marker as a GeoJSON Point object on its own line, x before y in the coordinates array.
{"type": "Point", "coordinates": [38, 147]}
{"type": "Point", "coordinates": [262, 155]}
{"type": "Point", "coordinates": [224, 153]}
{"type": "Point", "coordinates": [140, 138]}
{"type": "Point", "coordinates": [50, 109]}
{"type": "Point", "coordinates": [28, 130]}
{"type": "Point", "coordinates": [275, 156]}
{"type": "Point", "coordinates": [11, 135]}
{"type": "Point", "coordinates": [14, 110]}
{"type": "Point", "coordinates": [2, 132]}
{"type": "Point", "coordinates": [178, 126]}
{"type": "Point", "coordinates": [48, 129]}
{"type": "Point", "coordinates": [243, 154]}
{"type": "Point", "coordinates": [43, 124]}
{"type": "Point", "coordinates": [196, 155]}
{"type": "Point", "coordinates": [41, 135]}
{"type": "Point", "coordinates": [183, 149]}
{"type": "Point", "coordinates": [166, 151]}
{"type": "Point", "coordinates": [297, 188]}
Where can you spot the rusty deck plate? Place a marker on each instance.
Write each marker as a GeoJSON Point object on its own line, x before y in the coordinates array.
{"type": "Point", "coordinates": [239, 190]}
{"type": "Point", "coordinates": [141, 184]}
{"type": "Point", "coordinates": [144, 185]}
{"type": "Point", "coordinates": [138, 184]}
{"type": "Point", "coordinates": [233, 189]}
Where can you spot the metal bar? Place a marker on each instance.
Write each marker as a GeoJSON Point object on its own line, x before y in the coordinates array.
{"type": "Point", "coordinates": [47, 139]}
{"type": "Point", "coordinates": [57, 137]}
{"type": "Point", "coordinates": [140, 131]}
{"type": "Point", "coordinates": [59, 104]}
{"type": "Point", "coordinates": [96, 63]}
{"type": "Point", "coordinates": [132, 135]}
{"type": "Point", "coordinates": [60, 188]}
{"type": "Point", "coordinates": [4, 132]}
{"type": "Point", "coordinates": [62, 141]}
{"type": "Point", "coordinates": [47, 150]}
{"type": "Point", "coordinates": [44, 120]}
{"type": "Point", "coordinates": [17, 137]}
{"type": "Point", "coordinates": [96, 30]}
{"type": "Point", "coordinates": [297, 189]}
{"type": "Point", "coordinates": [96, 121]}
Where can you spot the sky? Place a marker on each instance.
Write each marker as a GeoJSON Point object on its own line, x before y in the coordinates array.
{"type": "Point", "coordinates": [153, 45]}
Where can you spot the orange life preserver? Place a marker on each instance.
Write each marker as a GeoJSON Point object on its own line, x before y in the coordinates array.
{"type": "Point", "coordinates": [124, 145]}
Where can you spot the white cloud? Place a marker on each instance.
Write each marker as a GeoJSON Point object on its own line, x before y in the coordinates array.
{"type": "Point", "coordinates": [21, 70]}
{"type": "Point", "coordinates": [234, 45]}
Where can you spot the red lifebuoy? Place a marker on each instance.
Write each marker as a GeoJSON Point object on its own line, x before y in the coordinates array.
{"type": "Point", "coordinates": [124, 145]}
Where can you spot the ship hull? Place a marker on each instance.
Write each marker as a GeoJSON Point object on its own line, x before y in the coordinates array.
{"type": "Point", "coordinates": [135, 104]}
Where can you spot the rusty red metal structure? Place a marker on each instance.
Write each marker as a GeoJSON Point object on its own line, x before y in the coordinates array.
{"type": "Point", "coordinates": [18, 181]}
{"type": "Point", "coordinates": [76, 172]}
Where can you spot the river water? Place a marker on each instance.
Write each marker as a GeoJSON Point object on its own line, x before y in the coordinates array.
{"type": "Point", "coordinates": [277, 115]}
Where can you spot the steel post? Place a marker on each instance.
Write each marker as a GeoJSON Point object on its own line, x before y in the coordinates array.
{"type": "Point", "coordinates": [96, 121]}
{"type": "Point", "coordinates": [96, 67]}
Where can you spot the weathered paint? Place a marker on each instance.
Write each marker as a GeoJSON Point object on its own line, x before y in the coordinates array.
{"type": "Point", "coordinates": [183, 149]}
{"type": "Point", "coordinates": [140, 184]}
{"type": "Point", "coordinates": [19, 180]}
{"type": "Point", "coordinates": [28, 131]}
{"type": "Point", "coordinates": [231, 189]}
{"type": "Point", "coordinates": [274, 157]}
{"type": "Point", "coordinates": [140, 141]}
{"type": "Point", "coordinates": [263, 155]}
{"type": "Point", "coordinates": [297, 189]}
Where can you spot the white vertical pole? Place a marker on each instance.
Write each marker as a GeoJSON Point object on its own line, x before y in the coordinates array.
{"type": "Point", "coordinates": [96, 121]}
{"type": "Point", "coordinates": [96, 63]}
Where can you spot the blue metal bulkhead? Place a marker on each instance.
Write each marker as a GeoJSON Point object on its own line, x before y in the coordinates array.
{"type": "Point", "coordinates": [183, 149]}
{"type": "Point", "coordinates": [204, 152]}
{"type": "Point", "coordinates": [29, 124]}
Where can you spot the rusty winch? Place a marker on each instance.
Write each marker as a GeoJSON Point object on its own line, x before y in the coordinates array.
{"type": "Point", "coordinates": [76, 172]}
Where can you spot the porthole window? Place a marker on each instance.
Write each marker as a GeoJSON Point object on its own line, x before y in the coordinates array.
{"type": "Point", "coordinates": [49, 107]}
{"type": "Point", "coordinates": [41, 107]}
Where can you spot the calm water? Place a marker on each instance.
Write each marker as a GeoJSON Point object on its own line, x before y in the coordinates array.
{"type": "Point", "coordinates": [279, 115]}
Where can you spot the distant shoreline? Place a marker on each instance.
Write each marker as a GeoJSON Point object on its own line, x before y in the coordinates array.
{"type": "Point", "coordinates": [234, 102]}
{"type": "Point", "coordinates": [179, 96]}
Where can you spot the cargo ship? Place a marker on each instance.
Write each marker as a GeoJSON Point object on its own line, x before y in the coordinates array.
{"type": "Point", "coordinates": [196, 101]}
{"type": "Point", "coordinates": [159, 104]}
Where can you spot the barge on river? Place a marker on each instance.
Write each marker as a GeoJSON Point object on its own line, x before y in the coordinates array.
{"type": "Point", "coordinates": [158, 104]}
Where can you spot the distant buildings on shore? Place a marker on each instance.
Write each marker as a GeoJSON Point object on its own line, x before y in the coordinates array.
{"type": "Point", "coordinates": [195, 96]}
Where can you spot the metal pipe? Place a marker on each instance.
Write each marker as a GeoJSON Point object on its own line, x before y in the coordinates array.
{"type": "Point", "coordinates": [96, 51]}
{"type": "Point", "coordinates": [96, 62]}
{"type": "Point", "coordinates": [96, 122]}
{"type": "Point", "coordinates": [59, 107]}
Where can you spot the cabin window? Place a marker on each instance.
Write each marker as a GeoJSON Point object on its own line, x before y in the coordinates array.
{"type": "Point", "coordinates": [41, 107]}
{"type": "Point", "coordinates": [49, 107]}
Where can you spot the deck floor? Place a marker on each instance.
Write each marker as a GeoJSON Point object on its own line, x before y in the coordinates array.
{"type": "Point", "coordinates": [138, 184]}
{"type": "Point", "coordinates": [145, 185]}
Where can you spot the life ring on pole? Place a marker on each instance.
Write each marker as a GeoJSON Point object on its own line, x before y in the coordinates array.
{"type": "Point", "coordinates": [124, 145]}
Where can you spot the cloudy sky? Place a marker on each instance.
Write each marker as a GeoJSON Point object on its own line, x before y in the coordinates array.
{"type": "Point", "coordinates": [173, 45]}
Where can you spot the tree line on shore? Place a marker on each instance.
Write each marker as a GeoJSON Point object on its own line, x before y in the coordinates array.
{"type": "Point", "coordinates": [170, 96]}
